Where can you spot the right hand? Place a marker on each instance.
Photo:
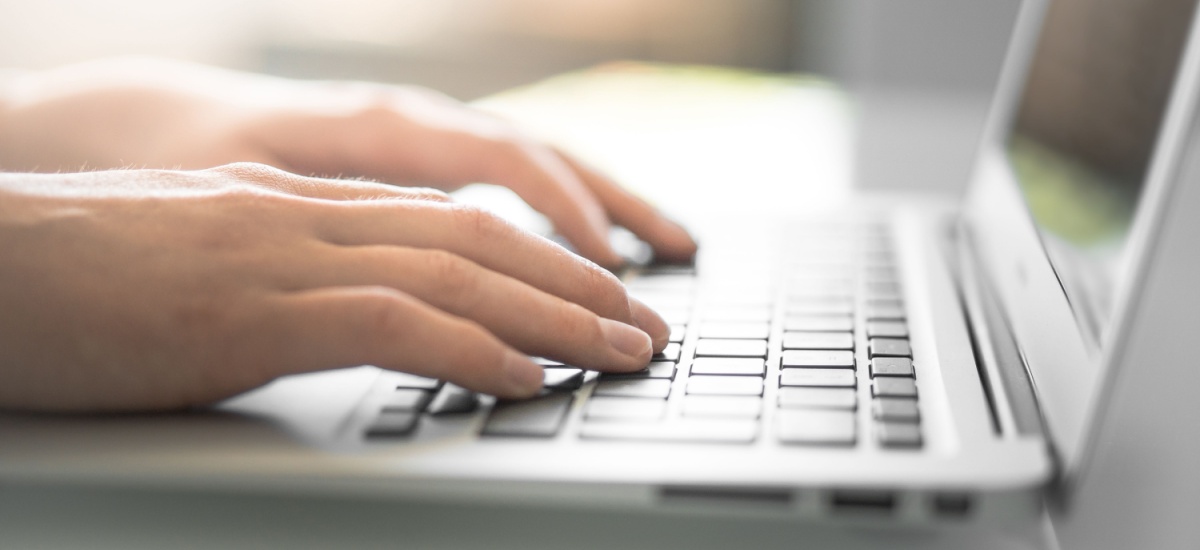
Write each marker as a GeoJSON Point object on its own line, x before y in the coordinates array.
{"type": "Point", "coordinates": [150, 289]}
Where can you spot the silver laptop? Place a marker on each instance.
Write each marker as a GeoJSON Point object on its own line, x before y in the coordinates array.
{"type": "Point", "coordinates": [904, 361]}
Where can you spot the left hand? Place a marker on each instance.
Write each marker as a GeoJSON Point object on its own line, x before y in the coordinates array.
{"type": "Point", "coordinates": [157, 114]}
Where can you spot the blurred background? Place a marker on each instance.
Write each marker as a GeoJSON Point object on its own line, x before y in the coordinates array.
{"type": "Point", "coordinates": [914, 66]}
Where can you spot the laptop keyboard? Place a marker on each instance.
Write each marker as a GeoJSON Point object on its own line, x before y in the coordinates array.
{"type": "Point", "coordinates": [811, 348]}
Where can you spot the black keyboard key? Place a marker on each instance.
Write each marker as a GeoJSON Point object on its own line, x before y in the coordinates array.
{"type": "Point", "coordinates": [406, 399]}
{"type": "Point", "coordinates": [819, 323]}
{"type": "Point", "coordinates": [876, 302]}
{"type": "Point", "coordinates": [818, 359]}
{"type": "Point", "coordinates": [895, 408]}
{"type": "Point", "coordinates": [669, 353]}
{"type": "Point", "coordinates": [656, 369]}
{"type": "Point", "coordinates": [887, 329]}
{"type": "Point", "coordinates": [891, 366]}
{"type": "Point", "coordinates": [882, 288]}
{"type": "Point", "coordinates": [412, 381]}
{"type": "Point", "coordinates": [624, 408]}
{"type": "Point", "coordinates": [392, 424]}
{"type": "Point", "coordinates": [894, 387]}
{"type": "Point", "coordinates": [822, 378]}
{"type": "Point", "coordinates": [732, 314]}
{"type": "Point", "coordinates": [725, 385]}
{"type": "Point", "coordinates": [453, 399]}
{"type": "Point", "coordinates": [750, 331]}
{"type": "Point", "coordinates": [722, 406]}
{"type": "Point", "coordinates": [818, 398]}
{"type": "Point", "coordinates": [885, 313]}
{"type": "Point", "coordinates": [816, 427]}
{"type": "Point", "coordinates": [889, 347]}
{"type": "Point", "coordinates": [731, 348]}
{"type": "Point", "coordinates": [898, 434]}
{"type": "Point", "coordinates": [818, 340]}
{"type": "Point", "coordinates": [566, 378]}
{"type": "Point", "coordinates": [734, 366]}
{"type": "Point", "coordinates": [650, 387]}
{"type": "Point", "coordinates": [537, 417]}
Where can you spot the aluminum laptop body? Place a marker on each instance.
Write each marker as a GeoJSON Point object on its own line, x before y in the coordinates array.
{"type": "Point", "coordinates": [1009, 371]}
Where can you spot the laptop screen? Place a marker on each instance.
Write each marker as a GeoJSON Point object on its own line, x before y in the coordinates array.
{"type": "Point", "coordinates": [1084, 131]}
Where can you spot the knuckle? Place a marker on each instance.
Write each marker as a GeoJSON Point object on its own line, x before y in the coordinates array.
{"type": "Point", "coordinates": [383, 314]}
{"type": "Point", "coordinates": [451, 274]}
{"type": "Point", "coordinates": [578, 324]}
{"type": "Point", "coordinates": [508, 156]}
{"type": "Point", "coordinates": [477, 223]}
{"type": "Point", "coordinates": [430, 194]}
{"type": "Point", "coordinates": [608, 292]}
{"type": "Point", "coordinates": [253, 175]}
{"type": "Point", "coordinates": [253, 172]}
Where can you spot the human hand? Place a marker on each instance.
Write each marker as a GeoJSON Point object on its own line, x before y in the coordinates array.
{"type": "Point", "coordinates": [149, 289]}
{"type": "Point", "coordinates": [158, 114]}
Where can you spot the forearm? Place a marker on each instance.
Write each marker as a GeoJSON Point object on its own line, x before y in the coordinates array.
{"type": "Point", "coordinates": [114, 114]}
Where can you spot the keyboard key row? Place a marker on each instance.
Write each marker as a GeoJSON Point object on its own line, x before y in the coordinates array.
{"type": "Point", "coordinates": [748, 331]}
{"type": "Point", "coordinates": [829, 378]}
{"type": "Point", "coordinates": [731, 348]}
{"type": "Point", "coordinates": [818, 340]}
{"type": "Point", "coordinates": [820, 398]}
{"type": "Point", "coordinates": [734, 366]}
{"type": "Point", "coordinates": [725, 385]}
{"type": "Point", "coordinates": [817, 359]}
{"type": "Point", "coordinates": [401, 408]}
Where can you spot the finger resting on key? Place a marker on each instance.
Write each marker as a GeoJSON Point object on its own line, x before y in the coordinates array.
{"type": "Point", "coordinates": [482, 238]}
{"type": "Point", "coordinates": [346, 326]}
{"type": "Point", "coordinates": [524, 317]}
{"type": "Point", "coordinates": [669, 240]}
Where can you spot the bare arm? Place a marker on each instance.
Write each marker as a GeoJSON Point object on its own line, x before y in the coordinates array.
{"type": "Point", "coordinates": [155, 114]}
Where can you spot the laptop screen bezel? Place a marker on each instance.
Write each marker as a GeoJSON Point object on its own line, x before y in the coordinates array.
{"type": "Point", "coordinates": [1067, 366]}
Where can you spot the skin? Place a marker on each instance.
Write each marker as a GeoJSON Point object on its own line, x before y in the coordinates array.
{"type": "Point", "coordinates": [154, 288]}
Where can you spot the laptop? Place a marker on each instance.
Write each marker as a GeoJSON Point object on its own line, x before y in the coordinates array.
{"type": "Point", "coordinates": [904, 361]}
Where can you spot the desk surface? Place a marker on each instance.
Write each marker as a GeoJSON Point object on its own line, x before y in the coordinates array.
{"type": "Point", "coordinates": [681, 137]}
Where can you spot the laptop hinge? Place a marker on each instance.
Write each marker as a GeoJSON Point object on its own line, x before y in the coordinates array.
{"type": "Point", "coordinates": [1002, 367]}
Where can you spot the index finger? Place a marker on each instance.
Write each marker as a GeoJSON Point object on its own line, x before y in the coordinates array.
{"type": "Point", "coordinates": [669, 240]}
{"type": "Point", "coordinates": [483, 238]}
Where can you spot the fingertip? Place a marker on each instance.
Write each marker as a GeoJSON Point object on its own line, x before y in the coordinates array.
{"type": "Point", "coordinates": [523, 376]}
{"type": "Point", "coordinates": [652, 323]}
{"type": "Point", "coordinates": [674, 243]}
{"type": "Point", "coordinates": [631, 342]}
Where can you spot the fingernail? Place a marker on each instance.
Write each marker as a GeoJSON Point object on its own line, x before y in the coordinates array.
{"type": "Point", "coordinates": [524, 375]}
{"type": "Point", "coordinates": [684, 241]}
{"type": "Point", "coordinates": [627, 339]}
{"type": "Point", "coordinates": [651, 322]}
{"type": "Point", "coordinates": [681, 232]}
